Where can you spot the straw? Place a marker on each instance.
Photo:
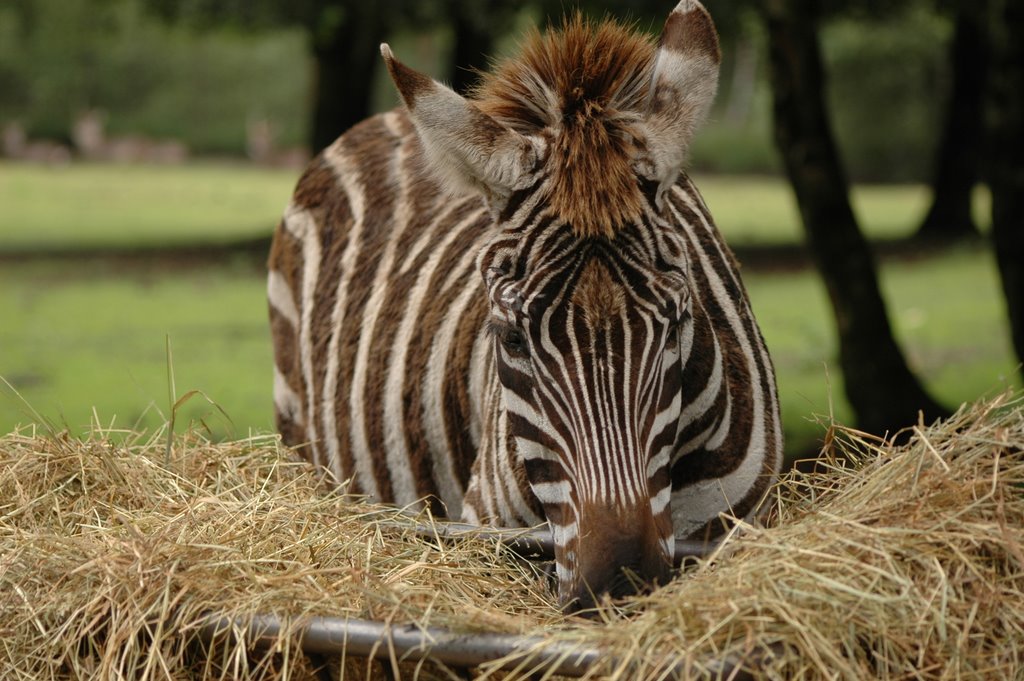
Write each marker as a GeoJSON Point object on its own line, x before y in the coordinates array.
{"type": "Point", "coordinates": [886, 562]}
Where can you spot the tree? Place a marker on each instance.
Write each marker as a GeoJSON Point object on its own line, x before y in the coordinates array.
{"type": "Point", "coordinates": [476, 27]}
{"type": "Point", "coordinates": [344, 40]}
{"type": "Point", "coordinates": [959, 154]}
{"type": "Point", "coordinates": [473, 44]}
{"type": "Point", "coordinates": [883, 392]}
{"type": "Point", "coordinates": [1006, 162]}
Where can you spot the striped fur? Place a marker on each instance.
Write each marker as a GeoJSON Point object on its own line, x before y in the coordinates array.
{"type": "Point", "coordinates": [459, 319]}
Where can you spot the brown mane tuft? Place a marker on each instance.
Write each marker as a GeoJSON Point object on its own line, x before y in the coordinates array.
{"type": "Point", "coordinates": [586, 83]}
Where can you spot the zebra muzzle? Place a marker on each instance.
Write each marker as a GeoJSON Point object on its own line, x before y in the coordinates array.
{"type": "Point", "coordinates": [617, 554]}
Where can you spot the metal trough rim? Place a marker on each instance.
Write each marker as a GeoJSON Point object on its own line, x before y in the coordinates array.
{"type": "Point", "coordinates": [411, 643]}
{"type": "Point", "coordinates": [414, 642]}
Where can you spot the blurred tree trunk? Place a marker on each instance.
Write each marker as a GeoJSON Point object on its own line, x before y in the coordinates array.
{"type": "Point", "coordinates": [345, 44]}
{"type": "Point", "coordinates": [476, 26]}
{"type": "Point", "coordinates": [474, 43]}
{"type": "Point", "coordinates": [958, 159]}
{"type": "Point", "coordinates": [884, 393]}
{"type": "Point", "coordinates": [1006, 167]}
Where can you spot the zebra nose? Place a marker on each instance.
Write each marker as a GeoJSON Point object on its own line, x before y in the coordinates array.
{"type": "Point", "coordinates": [629, 573]}
{"type": "Point", "coordinates": [618, 559]}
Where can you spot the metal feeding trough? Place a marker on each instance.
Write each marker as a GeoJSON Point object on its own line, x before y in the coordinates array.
{"type": "Point", "coordinates": [532, 656]}
{"type": "Point", "coordinates": [529, 655]}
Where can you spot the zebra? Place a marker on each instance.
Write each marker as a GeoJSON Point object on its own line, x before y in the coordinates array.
{"type": "Point", "coordinates": [514, 308]}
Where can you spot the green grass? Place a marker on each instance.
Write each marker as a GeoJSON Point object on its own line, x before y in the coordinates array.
{"type": "Point", "coordinates": [97, 341]}
{"type": "Point", "coordinates": [948, 316]}
{"type": "Point", "coordinates": [90, 342]}
{"type": "Point", "coordinates": [75, 337]}
{"type": "Point", "coordinates": [99, 205]}
{"type": "Point", "coordinates": [762, 210]}
{"type": "Point", "coordinates": [90, 206]}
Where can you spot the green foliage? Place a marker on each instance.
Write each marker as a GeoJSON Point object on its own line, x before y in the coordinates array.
{"type": "Point", "coordinates": [729, 149]}
{"type": "Point", "coordinates": [888, 82]}
{"type": "Point", "coordinates": [887, 72]}
{"type": "Point", "coordinates": [200, 70]}
{"type": "Point", "coordinates": [218, 82]}
{"type": "Point", "coordinates": [201, 87]}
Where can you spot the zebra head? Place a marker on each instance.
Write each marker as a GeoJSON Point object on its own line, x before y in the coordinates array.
{"type": "Point", "coordinates": [573, 147]}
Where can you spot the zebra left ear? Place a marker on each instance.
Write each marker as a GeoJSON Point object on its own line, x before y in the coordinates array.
{"type": "Point", "coordinates": [683, 85]}
{"type": "Point", "coordinates": [461, 142]}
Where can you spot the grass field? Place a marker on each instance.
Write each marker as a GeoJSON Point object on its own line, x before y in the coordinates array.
{"type": "Point", "coordinates": [98, 340]}
{"type": "Point", "coordinates": [79, 340]}
{"type": "Point", "coordinates": [96, 206]}
{"type": "Point", "coordinates": [763, 210]}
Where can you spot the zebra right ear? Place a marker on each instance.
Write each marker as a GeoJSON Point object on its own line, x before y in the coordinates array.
{"type": "Point", "coordinates": [683, 85]}
{"type": "Point", "coordinates": [462, 143]}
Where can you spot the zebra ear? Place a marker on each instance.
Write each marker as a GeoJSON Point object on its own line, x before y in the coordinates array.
{"type": "Point", "coordinates": [462, 143]}
{"type": "Point", "coordinates": [683, 85]}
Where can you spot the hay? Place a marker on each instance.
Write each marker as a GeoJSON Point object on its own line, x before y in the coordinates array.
{"type": "Point", "coordinates": [888, 563]}
{"type": "Point", "coordinates": [110, 557]}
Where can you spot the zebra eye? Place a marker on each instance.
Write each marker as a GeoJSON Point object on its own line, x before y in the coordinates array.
{"type": "Point", "coordinates": [513, 341]}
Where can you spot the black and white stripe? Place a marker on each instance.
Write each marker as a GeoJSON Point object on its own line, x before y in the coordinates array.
{"type": "Point", "coordinates": [508, 356]}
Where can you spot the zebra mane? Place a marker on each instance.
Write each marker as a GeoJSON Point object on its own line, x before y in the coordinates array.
{"type": "Point", "coordinates": [585, 83]}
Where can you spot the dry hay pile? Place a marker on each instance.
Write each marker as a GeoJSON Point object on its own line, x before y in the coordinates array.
{"type": "Point", "coordinates": [891, 563]}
